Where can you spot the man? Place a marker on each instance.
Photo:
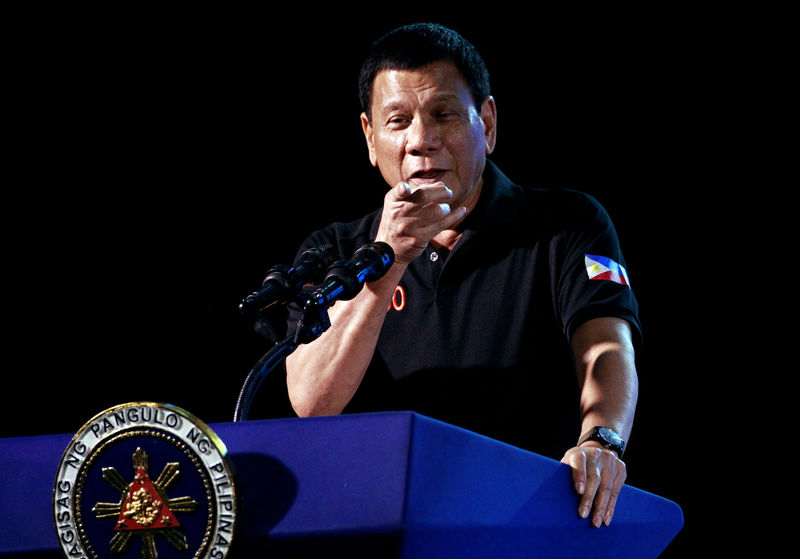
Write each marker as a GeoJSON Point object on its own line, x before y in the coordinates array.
{"type": "Point", "coordinates": [498, 294]}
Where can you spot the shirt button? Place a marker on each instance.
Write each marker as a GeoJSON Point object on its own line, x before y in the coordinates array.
{"type": "Point", "coordinates": [434, 256]}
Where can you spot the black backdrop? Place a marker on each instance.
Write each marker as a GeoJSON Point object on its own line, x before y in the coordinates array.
{"type": "Point", "coordinates": [167, 160]}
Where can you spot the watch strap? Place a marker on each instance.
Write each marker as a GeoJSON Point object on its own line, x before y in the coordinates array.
{"type": "Point", "coordinates": [607, 437]}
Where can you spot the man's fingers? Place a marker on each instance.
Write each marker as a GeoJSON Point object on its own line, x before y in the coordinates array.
{"type": "Point", "coordinates": [430, 207]}
{"type": "Point", "coordinates": [593, 479]}
{"type": "Point", "coordinates": [602, 498]}
{"type": "Point", "coordinates": [598, 477]}
{"type": "Point", "coordinates": [577, 462]}
{"type": "Point", "coordinates": [448, 215]}
{"type": "Point", "coordinates": [425, 194]}
{"type": "Point", "coordinates": [611, 476]}
{"type": "Point", "coordinates": [402, 190]}
{"type": "Point", "coordinates": [619, 481]}
{"type": "Point", "coordinates": [412, 216]}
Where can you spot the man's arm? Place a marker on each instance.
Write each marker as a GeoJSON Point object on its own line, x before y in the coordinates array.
{"type": "Point", "coordinates": [606, 369]}
{"type": "Point", "coordinates": [322, 377]}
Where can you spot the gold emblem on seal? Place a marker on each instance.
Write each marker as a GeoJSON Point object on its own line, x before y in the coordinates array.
{"type": "Point", "coordinates": [144, 509]}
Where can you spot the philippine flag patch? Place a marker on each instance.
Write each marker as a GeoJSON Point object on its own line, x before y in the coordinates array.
{"type": "Point", "coordinates": [603, 268]}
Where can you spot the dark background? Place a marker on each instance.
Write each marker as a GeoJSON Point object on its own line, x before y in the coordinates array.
{"type": "Point", "coordinates": [164, 161]}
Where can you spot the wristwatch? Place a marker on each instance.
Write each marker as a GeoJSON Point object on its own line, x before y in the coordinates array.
{"type": "Point", "coordinates": [609, 438]}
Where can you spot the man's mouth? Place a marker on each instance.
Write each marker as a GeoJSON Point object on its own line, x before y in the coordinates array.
{"type": "Point", "coordinates": [428, 176]}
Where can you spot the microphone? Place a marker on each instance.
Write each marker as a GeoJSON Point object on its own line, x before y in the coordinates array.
{"type": "Point", "coordinates": [285, 282]}
{"type": "Point", "coordinates": [346, 278]}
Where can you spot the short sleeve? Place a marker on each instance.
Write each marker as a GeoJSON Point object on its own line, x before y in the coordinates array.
{"type": "Point", "coordinates": [592, 280]}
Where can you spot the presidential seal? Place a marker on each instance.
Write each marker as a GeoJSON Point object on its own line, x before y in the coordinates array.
{"type": "Point", "coordinates": [145, 481]}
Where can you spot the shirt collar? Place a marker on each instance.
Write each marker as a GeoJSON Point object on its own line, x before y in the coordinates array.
{"type": "Point", "coordinates": [499, 203]}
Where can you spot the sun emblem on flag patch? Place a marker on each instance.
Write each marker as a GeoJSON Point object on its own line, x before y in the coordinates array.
{"type": "Point", "coordinates": [145, 481]}
{"type": "Point", "coordinates": [604, 268]}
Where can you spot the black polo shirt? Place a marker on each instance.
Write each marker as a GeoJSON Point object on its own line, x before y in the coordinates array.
{"type": "Point", "coordinates": [480, 337]}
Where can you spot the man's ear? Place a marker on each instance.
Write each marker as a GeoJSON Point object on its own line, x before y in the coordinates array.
{"type": "Point", "coordinates": [489, 118]}
{"type": "Point", "coordinates": [368, 135]}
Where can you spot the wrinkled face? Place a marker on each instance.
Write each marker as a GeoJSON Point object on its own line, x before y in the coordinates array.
{"type": "Point", "coordinates": [425, 128]}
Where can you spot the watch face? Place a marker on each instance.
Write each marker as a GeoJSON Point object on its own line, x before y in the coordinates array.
{"type": "Point", "coordinates": [610, 436]}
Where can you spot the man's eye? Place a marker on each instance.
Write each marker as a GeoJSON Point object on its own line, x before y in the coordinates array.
{"type": "Point", "coordinates": [446, 115]}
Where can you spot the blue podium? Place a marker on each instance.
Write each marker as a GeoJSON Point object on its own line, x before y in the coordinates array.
{"type": "Point", "coordinates": [372, 485]}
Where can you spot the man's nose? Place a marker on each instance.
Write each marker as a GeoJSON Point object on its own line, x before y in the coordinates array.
{"type": "Point", "coordinates": [422, 138]}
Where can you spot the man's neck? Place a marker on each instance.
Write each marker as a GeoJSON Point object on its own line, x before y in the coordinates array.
{"type": "Point", "coordinates": [449, 237]}
{"type": "Point", "coordinates": [446, 239]}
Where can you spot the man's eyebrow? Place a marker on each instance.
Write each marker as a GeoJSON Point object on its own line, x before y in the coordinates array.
{"type": "Point", "coordinates": [392, 106]}
{"type": "Point", "coordinates": [445, 97]}
{"type": "Point", "coordinates": [438, 98]}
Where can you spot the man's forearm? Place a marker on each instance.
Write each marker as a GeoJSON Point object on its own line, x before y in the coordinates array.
{"type": "Point", "coordinates": [609, 396]}
{"type": "Point", "coordinates": [323, 376]}
{"type": "Point", "coordinates": [607, 373]}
